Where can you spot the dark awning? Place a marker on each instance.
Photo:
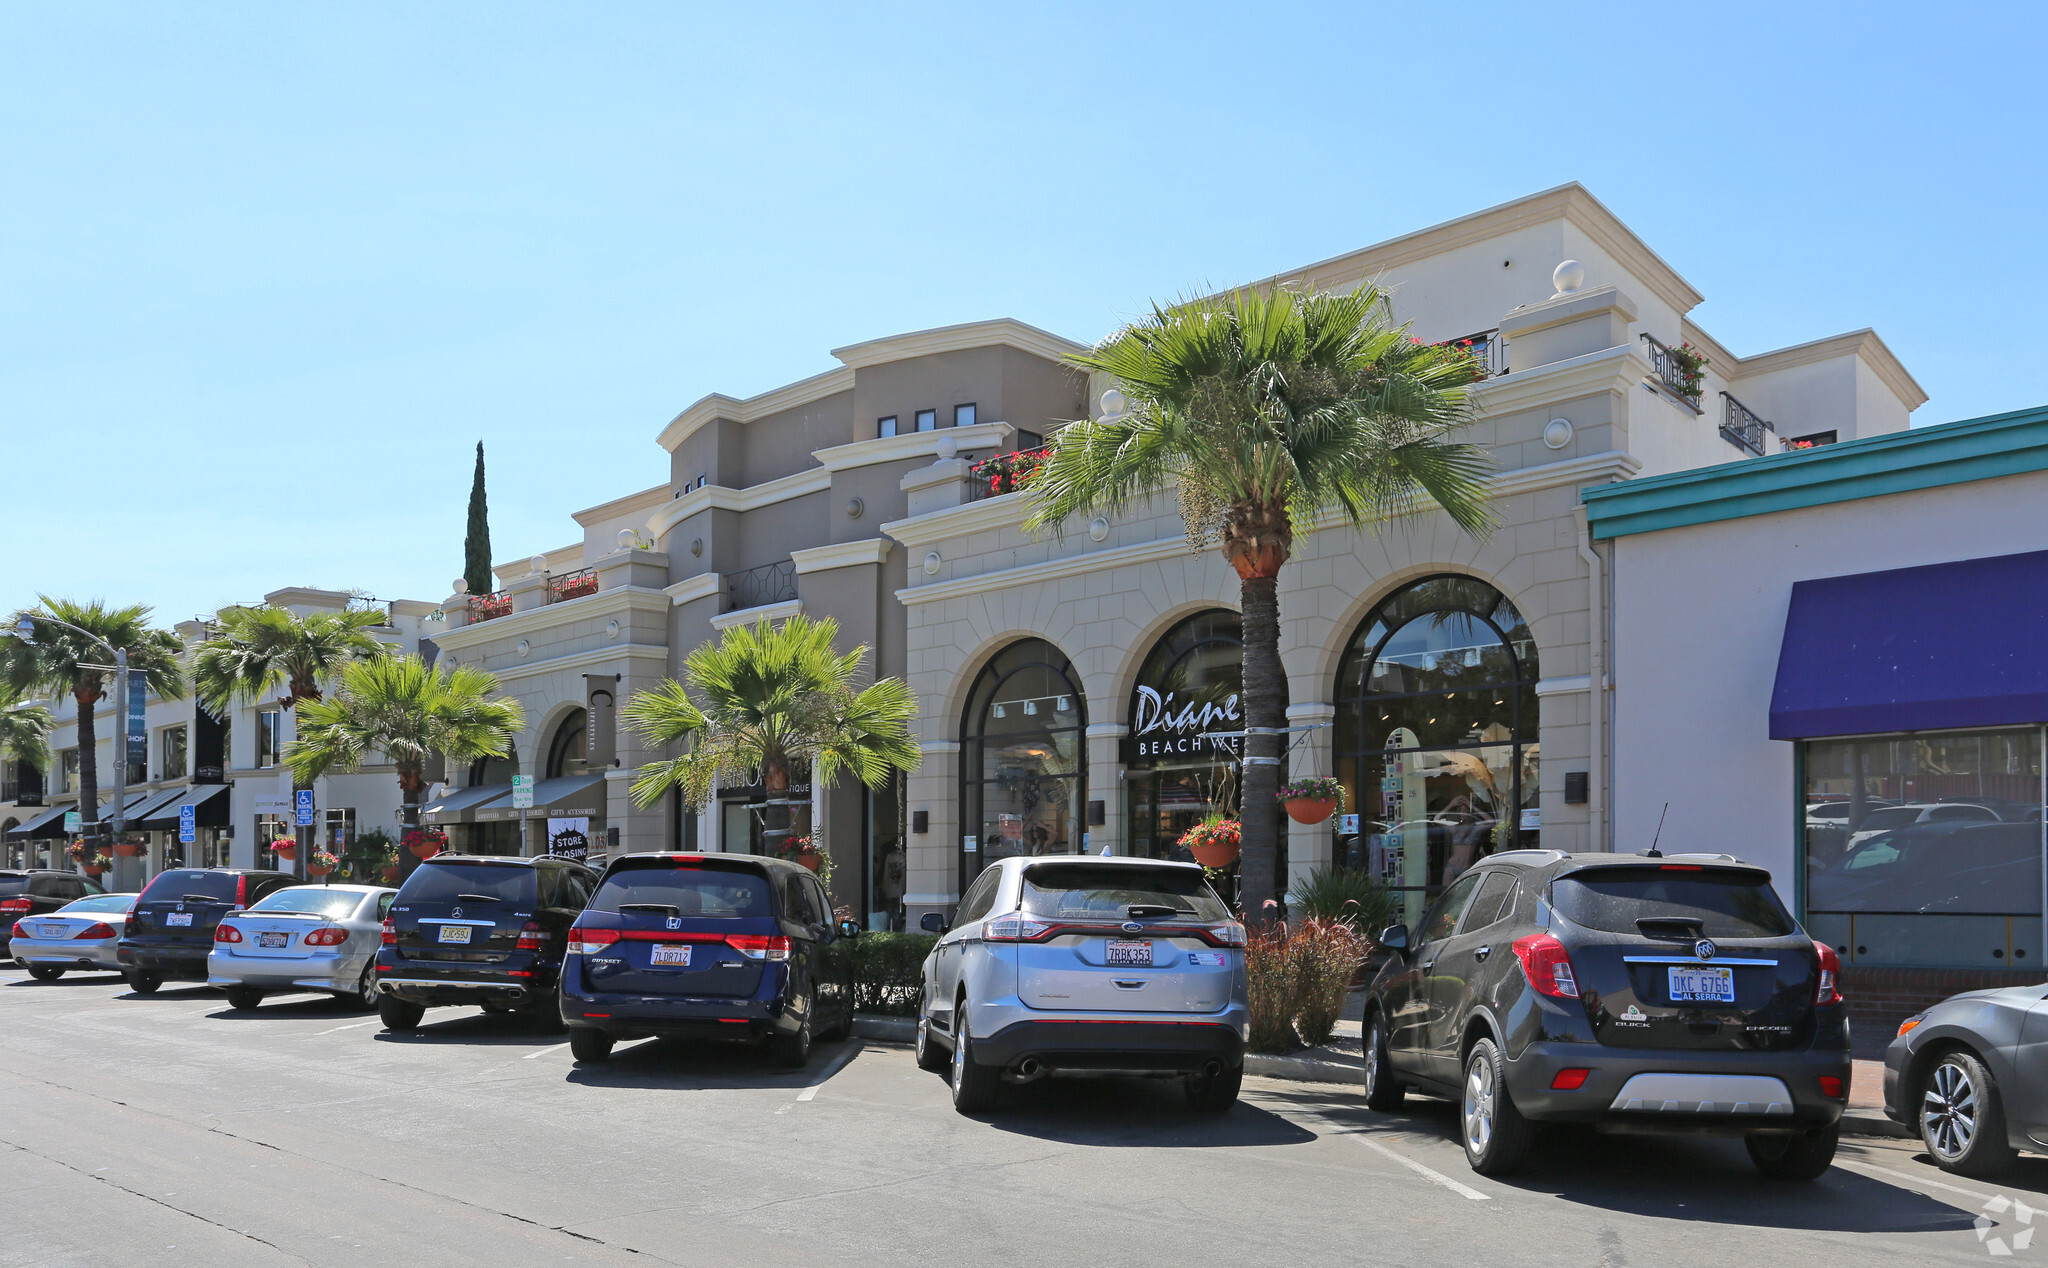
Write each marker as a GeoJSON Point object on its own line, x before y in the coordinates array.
{"type": "Point", "coordinates": [209, 803]}
{"type": "Point", "coordinates": [150, 805]}
{"type": "Point", "coordinates": [44, 826]}
{"type": "Point", "coordinates": [458, 805]}
{"type": "Point", "coordinates": [1915, 649]}
{"type": "Point", "coordinates": [565, 796]}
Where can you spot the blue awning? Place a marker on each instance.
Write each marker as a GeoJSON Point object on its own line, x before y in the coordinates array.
{"type": "Point", "coordinates": [1961, 644]}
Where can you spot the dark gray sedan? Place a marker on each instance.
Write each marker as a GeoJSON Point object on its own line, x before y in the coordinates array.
{"type": "Point", "coordinates": [1967, 1075]}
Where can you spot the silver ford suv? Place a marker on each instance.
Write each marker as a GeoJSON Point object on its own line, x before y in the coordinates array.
{"type": "Point", "coordinates": [1077, 963]}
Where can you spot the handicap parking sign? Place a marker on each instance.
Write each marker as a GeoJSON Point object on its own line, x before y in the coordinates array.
{"type": "Point", "coordinates": [305, 800]}
{"type": "Point", "coordinates": [186, 820]}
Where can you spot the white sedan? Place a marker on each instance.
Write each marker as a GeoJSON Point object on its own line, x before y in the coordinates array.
{"type": "Point", "coordinates": [305, 938]}
{"type": "Point", "coordinates": [80, 936]}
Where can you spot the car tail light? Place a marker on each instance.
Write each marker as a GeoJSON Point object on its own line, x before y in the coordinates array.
{"type": "Point", "coordinates": [390, 933]}
{"type": "Point", "coordinates": [225, 932]}
{"type": "Point", "coordinates": [1828, 989]}
{"type": "Point", "coordinates": [1570, 1080]}
{"type": "Point", "coordinates": [591, 941]}
{"type": "Point", "coordinates": [98, 930]}
{"type": "Point", "coordinates": [19, 931]}
{"type": "Point", "coordinates": [1832, 1087]}
{"type": "Point", "coordinates": [1548, 966]}
{"type": "Point", "coordinates": [327, 936]}
{"type": "Point", "coordinates": [16, 907]}
{"type": "Point", "coordinates": [128, 925]}
{"type": "Point", "coordinates": [1910, 1022]}
{"type": "Point", "coordinates": [1230, 935]}
{"type": "Point", "coordinates": [1015, 927]}
{"type": "Point", "coordinates": [759, 946]}
{"type": "Point", "coordinates": [532, 937]}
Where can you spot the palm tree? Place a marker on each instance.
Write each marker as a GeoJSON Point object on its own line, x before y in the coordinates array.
{"type": "Point", "coordinates": [24, 730]}
{"type": "Point", "coordinates": [765, 704]}
{"type": "Point", "coordinates": [1266, 411]}
{"type": "Point", "coordinates": [57, 659]}
{"type": "Point", "coordinates": [398, 709]}
{"type": "Point", "coordinates": [259, 652]}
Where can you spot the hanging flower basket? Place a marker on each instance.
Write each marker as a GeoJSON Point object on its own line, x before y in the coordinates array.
{"type": "Point", "coordinates": [425, 843]}
{"type": "Point", "coordinates": [799, 850]}
{"type": "Point", "coordinates": [1311, 801]}
{"type": "Point", "coordinates": [96, 868]}
{"type": "Point", "coordinates": [285, 848]}
{"type": "Point", "coordinates": [320, 863]}
{"type": "Point", "coordinates": [129, 849]}
{"type": "Point", "coordinates": [1214, 844]}
{"type": "Point", "coordinates": [389, 875]}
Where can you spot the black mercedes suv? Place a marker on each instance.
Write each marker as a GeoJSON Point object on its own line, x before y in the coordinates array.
{"type": "Point", "coordinates": [170, 928]}
{"type": "Point", "coordinates": [1632, 992]}
{"type": "Point", "coordinates": [479, 930]}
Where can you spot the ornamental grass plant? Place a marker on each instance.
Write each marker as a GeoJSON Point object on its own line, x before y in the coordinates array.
{"type": "Point", "coordinates": [1299, 972]}
{"type": "Point", "coordinates": [1349, 894]}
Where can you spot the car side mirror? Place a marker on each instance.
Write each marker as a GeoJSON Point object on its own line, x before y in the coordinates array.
{"type": "Point", "coordinates": [1395, 938]}
{"type": "Point", "coordinates": [933, 922]}
{"type": "Point", "coordinates": [849, 929]}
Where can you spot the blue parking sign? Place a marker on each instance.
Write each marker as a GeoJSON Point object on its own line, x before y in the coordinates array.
{"type": "Point", "coordinates": [305, 799]}
{"type": "Point", "coordinates": [186, 823]}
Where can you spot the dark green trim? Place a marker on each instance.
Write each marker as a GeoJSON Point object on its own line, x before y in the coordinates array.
{"type": "Point", "coordinates": [1922, 458]}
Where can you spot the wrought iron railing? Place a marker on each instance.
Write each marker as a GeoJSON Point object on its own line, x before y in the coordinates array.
{"type": "Point", "coordinates": [489, 607]}
{"type": "Point", "coordinates": [572, 585]}
{"type": "Point", "coordinates": [1673, 375]}
{"type": "Point", "coordinates": [1488, 348]}
{"type": "Point", "coordinates": [1741, 426]}
{"type": "Point", "coordinates": [1005, 473]}
{"type": "Point", "coordinates": [759, 587]}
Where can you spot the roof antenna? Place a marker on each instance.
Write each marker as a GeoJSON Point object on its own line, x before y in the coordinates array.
{"type": "Point", "coordinates": [1652, 852]}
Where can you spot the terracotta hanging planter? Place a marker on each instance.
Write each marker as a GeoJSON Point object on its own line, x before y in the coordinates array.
{"type": "Point", "coordinates": [1219, 854]}
{"type": "Point", "coordinates": [1311, 809]}
{"type": "Point", "coordinates": [424, 850]}
{"type": "Point", "coordinates": [810, 858]}
{"type": "Point", "coordinates": [314, 869]}
{"type": "Point", "coordinates": [1214, 844]}
{"type": "Point", "coordinates": [389, 875]}
{"type": "Point", "coordinates": [285, 850]}
{"type": "Point", "coordinates": [95, 870]}
{"type": "Point", "coordinates": [129, 849]}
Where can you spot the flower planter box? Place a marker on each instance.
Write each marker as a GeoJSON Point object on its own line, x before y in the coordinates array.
{"type": "Point", "coordinates": [129, 849]}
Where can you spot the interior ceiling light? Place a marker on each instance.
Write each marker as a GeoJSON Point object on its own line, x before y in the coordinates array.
{"type": "Point", "coordinates": [1031, 706]}
{"type": "Point", "coordinates": [1001, 712]}
{"type": "Point", "coordinates": [1063, 704]}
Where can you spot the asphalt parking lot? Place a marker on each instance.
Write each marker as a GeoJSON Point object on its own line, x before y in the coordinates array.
{"type": "Point", "coordinates": [168, 1130]}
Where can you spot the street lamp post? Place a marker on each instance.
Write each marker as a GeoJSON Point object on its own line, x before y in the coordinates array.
{"type": "Point", "coordinates": [25, 630]}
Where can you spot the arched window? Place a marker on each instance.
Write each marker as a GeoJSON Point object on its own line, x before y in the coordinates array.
{"type": "Point", "coordinates": [1022, 759]}
{"type": "Point", "coordinates": [565, 750]}
{"type": "Point", "coordinates": [494, 770]}
{"type": "Point", "coordinates": [1436, 734]}
{"type": "Point", "coordinates": [1178, 766]}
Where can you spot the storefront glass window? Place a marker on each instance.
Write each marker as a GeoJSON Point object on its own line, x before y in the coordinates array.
{"type": "Point", "coordinates": [885, 861]}
{"type": "Point", "coordinates": [173, 752]}
{"type": "Point", "coordinates": [1021, 754]}
{"type": "Point", "coordinates": [1435, 738]}
{"type": "Point", "coordinates": [565, 751]}
{"type": "Point", "coordinates": [1180, 760]}
{"type": "Point", "coordinates": [1925, 849]}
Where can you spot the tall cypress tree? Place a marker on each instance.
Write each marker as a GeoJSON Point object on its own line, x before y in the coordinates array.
{"type": "Point", "coordinates": [476, 547]}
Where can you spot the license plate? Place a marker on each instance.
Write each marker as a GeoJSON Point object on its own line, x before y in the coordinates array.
{"type": "Point", "coordinates": [678, 956]}
{"type": "Point", "coordinates": [273, 941]}
{"type": "Point", "coordinates": [54, 931]}
{"type": "Point", "coordinates": [1702, 986]}
{"type": "Point", "coordinates": [455, 933]}
{"type": "Point", "coordinates": [1131, 953]}
{"type": "Point", "coordinates": [178, 918]}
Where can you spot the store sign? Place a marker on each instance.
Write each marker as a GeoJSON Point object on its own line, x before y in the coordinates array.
{"type": "Point", "coordinates": [569, 838]}
{"type": "Point", "coordinates": [1175, 724]}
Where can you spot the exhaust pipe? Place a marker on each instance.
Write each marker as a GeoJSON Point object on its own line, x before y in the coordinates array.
{"type": "Point", "coordinates": [1029, 1070]}
{"type": "Point", "coordinates": [1213, 1069]}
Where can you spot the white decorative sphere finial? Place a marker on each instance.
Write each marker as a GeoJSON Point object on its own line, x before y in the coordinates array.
{"type": "Point", "coordinates": [537, 564]}
{"type": "Point", "coordinates": [459, 586]}
{"type": "Point", "coordinates": [1113, 403]}
{"type": "Point", "coordinates": [949, 448]}
{"type": "Point", "coordinates": [1568, 277]}
{"type": "Point", "coordinates": [627, 537]}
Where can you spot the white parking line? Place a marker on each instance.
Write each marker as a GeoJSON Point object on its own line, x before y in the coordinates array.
{"type": "Point", "coordinates": [1910, 1178]}
{"type": "Point", "coordinates": [1429, 1174]}
{"type": "Point", "coordinates": [543, 1052]}
{"type": "Point", "coordinates": [811, 1092]}
{"type": "Point", "coordinates": [354, 1025]}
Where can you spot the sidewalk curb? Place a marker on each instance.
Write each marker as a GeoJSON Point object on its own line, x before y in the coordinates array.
{"type": "Point", "coordinates": [886, 1029]}
{"type": "Point", "coordinates": [1874, 1123]}
{"type": "Point", "coordinates": [1303, 1069]}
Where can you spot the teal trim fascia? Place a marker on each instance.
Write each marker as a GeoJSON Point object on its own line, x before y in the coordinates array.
{"type": "Point", "coordinates": [1921, 458]}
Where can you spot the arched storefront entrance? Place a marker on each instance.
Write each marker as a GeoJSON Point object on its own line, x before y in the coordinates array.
{"type": "Point", "coordinates": [566, 749]}
{"type": "Point", "coordinates": [1178, 769]}
{"type": "Point", "coordinates": [1436, 732]}
{"type": "Point", "coordinates": [1022, 759]}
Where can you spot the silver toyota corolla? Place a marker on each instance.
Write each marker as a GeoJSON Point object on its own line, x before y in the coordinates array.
{"type": "Point", "coordinates": [80, 936]}
{"type": "Point", "coordinates": [305, 938]}
{"type": "Point", "coordinates": [1062, 964]}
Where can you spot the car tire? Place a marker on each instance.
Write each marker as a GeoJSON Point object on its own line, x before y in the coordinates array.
{"type": "Point", "coordinates": [1805, 1156]}
{"type": "Point", "coordinates": [44, 972]}
{"type": "Point", "coordinates": [1962, 1117]}
{"type": "Point", "coordinates": [364, 996]}
{"type": "Point", "coordinates": [143, 983]}
{"type": "Point", "coordinates": [399, 1015]}
{"type": "Point", "coordinates": [974, 1086]}
{"type": "Point", "coordinates": [242, 998]}
{"type": "Point", "coordinates": [1383, 1092]}
{"type": "Point", "coordinates": [1496, 1136]}
{"type": "Point", "coordinates": [930, 1057]}
{"type": "Point", "coordinates": [589, 1045]}
{"type": "Point", "coordinates": [1214, 1093]}
{"type": "Point", "coordinates": [792, 1052]}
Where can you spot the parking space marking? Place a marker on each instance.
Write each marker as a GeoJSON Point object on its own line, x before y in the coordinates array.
{"type": "Point", "coordinates": [354, 1025]}
{"type": "Point", "coordinates": [853, 1049]}
{"type": "Point", "coordinates": [1910, 1178]}
{"type": "Point", "coordinates": [1430, 1174]}
{"type": "Point", "coordinates": [543, 1052]}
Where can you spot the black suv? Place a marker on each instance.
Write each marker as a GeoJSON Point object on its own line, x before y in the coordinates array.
{"type": "Point", "coordinates": [36, 892]}
{"type": "Point", "coordinates": [170, 929]}
{"type": "Point", "coordinates": [712, 946]}
{"type": "Point", "coordinates": [482, 930]}
{"type": "Point", "coordinates": [1632, 992]}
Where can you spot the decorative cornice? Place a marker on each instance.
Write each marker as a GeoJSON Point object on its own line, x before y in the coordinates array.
{"type": "Point", "coordinates": [1616, 369]}
{"type": "Point", "coordinates": [1106, 731]}
{"type": "Point", "coordinates": [717, 497]}
{"type": "Point", "coordinates": [583, 660]}
{"type": "Point", "coordinates": [974, 334]}
{"type": "Point", "coordinates": [866, 550]}
{"type": "Point", "coordinates": [618, 508]}
{"type": "Point", "coordinates": [787, 397]}
{"type": "Point", "coordinates": [603, 603]}
{"type": "Point", "coordinates": [1006, 511]}
{"type": "Point", "coordinates": [916, 444]}
{"type": "Point", "coordinates": [690, 589]}
{"type": "Point", "coordinates": [1564, 686]}
{"type": "Point", "coordinates": [765, 612]}
{"type": "Point", "coordinates": [932, 748]}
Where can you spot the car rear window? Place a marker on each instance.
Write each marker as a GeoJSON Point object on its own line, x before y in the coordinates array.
{"type": "Point", "coordinates": [316, 899]}
{"type": "Point", "coordinates": [449, 882]}
{"type": "Point", "coordinates": [1727, 904]}
{"type": "Point", "coordinates": [169, 887]}
{"type": "Point", "coordinates": [101, 903]}
{"type": "Point", "coordinates": [719, 893]}
{"type": "Point", "coordinates": [12, 885]}
{"type": "Point", "coordinates": [1103, 891]}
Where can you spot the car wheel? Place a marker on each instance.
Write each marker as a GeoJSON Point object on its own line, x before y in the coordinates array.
{"type": "Point", "coordinates": [793, 1051]}
{"type": "Point", "coordinates": [1805, 1156]}
{"type": "Point", "coordinates": [44, 972]}
{"type": "Point", "coordinates": [1962, 1117]}
{"type": "Point", "coordinates": [1383, 1092]}
{"type": "Point", "coordinates": [974, 1086]}
{"type": "Point", "coordinates": [929, 1055]}
{"type": "Point", "coordinates": [365, 996]}
{"type": "Point", "coordinates": [1497, 1137]}
{"type": "Point", "coordinates": [143, 983]}
{"type": "Point", "coordinates": [242, 999]}
{"type": "Point", "coordinates": [397, 1014]}
{"type": "Point", "coordinates": [1214, 1093]}
{"type": "Point", "coordinates": [589, 1045]}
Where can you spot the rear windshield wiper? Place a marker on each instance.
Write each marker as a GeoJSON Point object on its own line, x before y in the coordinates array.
{"type": "Point", "coordinates": [476, 898]}
{"type": "Point", "coordinates": [201, 898]}
{"type": "Point", "coordinates": [1138, 911]}
{"type": "Point", "coordinates": [669, 909]}
{"type": "Point", "coordinates": [1693, 924]}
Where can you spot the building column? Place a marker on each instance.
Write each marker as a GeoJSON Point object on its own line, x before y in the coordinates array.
{"type": "Point", "coordinates": [932, 856]}
{"type": "Point", "coordinates": [1106, 785]}
{"type": "Point", "coordinates": [1311, 846]}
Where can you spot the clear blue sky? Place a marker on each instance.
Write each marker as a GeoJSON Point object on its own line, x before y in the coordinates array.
{"type": "Point", "coordinates": [268, 272]}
